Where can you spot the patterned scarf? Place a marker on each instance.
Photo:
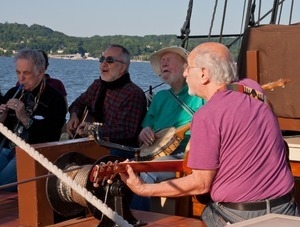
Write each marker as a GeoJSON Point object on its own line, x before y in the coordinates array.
{"type": "Point", "coordinates": [113, 85]}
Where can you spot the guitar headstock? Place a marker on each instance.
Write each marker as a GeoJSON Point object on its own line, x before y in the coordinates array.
{"type": "Point", "coordinates": [105, 172]}
{"type": "Point", "coordinates": [274, 84]}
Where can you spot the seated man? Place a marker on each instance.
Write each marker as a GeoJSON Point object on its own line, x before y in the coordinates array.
{"type": "Point", "coordinates": [55, 83]}
{"type": "Point", "coordinates": [237, 152]}
{"type": "Point", "coordinates": [114, 101]}
{"type": "Point", "coordinates": [169, 108]}
{"type": "Point", "coordinates": [34, 110]}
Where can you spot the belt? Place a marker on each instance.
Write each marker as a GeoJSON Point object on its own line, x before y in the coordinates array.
{"type": "Point", "coordinates": [261, 205]}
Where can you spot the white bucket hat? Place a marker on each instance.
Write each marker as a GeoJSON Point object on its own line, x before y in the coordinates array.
{"type": "Point", "coordinates": [155, 57]}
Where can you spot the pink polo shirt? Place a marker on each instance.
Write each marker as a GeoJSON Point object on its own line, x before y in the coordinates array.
{"type": "Point", "coordinates": [239, 136]}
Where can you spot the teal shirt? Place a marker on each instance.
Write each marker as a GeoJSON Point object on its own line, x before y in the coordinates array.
{"type": "Point", "coordinates": [164, 111]}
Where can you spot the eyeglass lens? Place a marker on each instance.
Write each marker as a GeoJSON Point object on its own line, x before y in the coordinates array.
{"type": "Point", "coordinates": [108, 59]}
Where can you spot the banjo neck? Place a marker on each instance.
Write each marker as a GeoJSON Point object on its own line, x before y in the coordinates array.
{"type": "Point", "coordinates": [180, 131]}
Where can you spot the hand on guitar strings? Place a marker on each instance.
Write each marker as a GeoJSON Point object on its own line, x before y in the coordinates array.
{"type": "Point", "coordinates": [72, 125]}
{"type": "Point", "coordinates": [132, 179]}
{"type": "Point", "coordinates": [84, 129]}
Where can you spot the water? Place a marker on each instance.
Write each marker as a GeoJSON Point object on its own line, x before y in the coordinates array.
{"type": "Point", "coordinates": [77, 75]}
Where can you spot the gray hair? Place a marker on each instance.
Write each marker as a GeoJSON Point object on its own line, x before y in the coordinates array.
{"type": "Point", "coordinates": [125, 54]}
{"type": "Point", "coordinates": [223, 69]}
{"type": "Point", "coordinates": [34, 56]}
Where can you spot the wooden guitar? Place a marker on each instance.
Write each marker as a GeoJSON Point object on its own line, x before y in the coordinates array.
{"type": "Point", "coordinates": [109, 170]}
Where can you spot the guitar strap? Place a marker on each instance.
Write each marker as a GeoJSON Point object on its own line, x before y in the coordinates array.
{"type": "Point", "coordinates": [246, 90]}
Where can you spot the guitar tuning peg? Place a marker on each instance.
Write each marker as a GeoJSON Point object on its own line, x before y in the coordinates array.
{"type": "Point", "coordinates": [95, 176]}
{"type": "Point", "coordinates": [102, 164]}
{"type": "Point", "coordinates": [103, 180]}
{"type": "Point", "coordinates": [96, 185]}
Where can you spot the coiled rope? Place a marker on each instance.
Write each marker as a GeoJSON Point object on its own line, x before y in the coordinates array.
{"type": "Point", "coordinates": [114, 216]}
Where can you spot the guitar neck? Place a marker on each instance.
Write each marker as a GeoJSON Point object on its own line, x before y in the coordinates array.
{"type": "Point", "coordinates": [108, 170]}
{"type": "Point", "coordinates": [157, 166]}
{"type": "Point", "coordinates": [274, 84]}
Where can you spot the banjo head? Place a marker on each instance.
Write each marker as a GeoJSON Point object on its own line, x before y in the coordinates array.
{"type": "Point", "coordinates": [163, 139]}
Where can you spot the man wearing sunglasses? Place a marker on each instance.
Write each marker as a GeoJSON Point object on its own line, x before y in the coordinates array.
{"type": "Point", "coordinates": [114, 101]}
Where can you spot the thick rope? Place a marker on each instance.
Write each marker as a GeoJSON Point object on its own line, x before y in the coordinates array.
{"type": "Point", "coordinates": [114, 216]}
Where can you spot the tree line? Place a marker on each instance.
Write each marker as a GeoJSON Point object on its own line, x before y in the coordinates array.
{"type": "Point", "coordinates": [14, 36]}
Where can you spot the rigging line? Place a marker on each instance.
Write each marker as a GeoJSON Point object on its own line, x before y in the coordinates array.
{"type": "Point", "coordinates": [252, 11]}
{"type": "Point", "coordinates": [212, 19]}
{"type": "Point", "coordinates": [234, 41]}
{"type": "Point", "coordinates": [259, 9]}
{"type": "Point", "coordinates": [223, 20]}
{"type": "Point", "coordinates": [240, 36]}
{"type": "Point", "coordinates": [243, 16]}
{"type": "Point", "coordinates": [154, 87]}
{"type": "Point", "coordinates": [274, 12]}
{"type": "Point", "coordinates": [291, 11]}
{"type": "Point", "coordinates": [280, 12]}
{"type": "Point", "coordinates": [266, 14]}
{"type": "Point", "coordinates": [185, 30]}
{"type": "Point", "coordinates": [246, 24]}
{"type": "Point", "coordinates": [36, 178]}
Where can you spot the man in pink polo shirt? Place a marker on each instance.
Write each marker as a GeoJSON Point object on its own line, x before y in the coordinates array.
{"type": "Point", "coordinates": [237, 152]}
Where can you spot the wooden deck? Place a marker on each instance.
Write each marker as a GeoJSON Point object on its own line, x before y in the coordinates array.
{"type": "Point", "coordinates": [8, 209]}
{"type": "Point", "coordinates": [9, 216]}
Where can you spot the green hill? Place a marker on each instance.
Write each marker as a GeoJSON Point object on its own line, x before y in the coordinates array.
{"type": "Point", "coordinates": [14, 37]}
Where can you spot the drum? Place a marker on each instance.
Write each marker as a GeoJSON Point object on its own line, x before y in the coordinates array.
{"type": "Point", "coordinates": [166, 141]}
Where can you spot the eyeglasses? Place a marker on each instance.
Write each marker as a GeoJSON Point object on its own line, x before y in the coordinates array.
{"type": "Point", "coordinates": [109, 60]}
{"type": "Point", "coordinates": [190, 67]}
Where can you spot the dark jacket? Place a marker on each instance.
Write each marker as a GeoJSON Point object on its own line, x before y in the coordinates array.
{"type": "Point", "coordinates": [48, 118]}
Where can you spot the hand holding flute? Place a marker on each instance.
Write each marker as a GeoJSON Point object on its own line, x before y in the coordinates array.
{"type": "Point", "coordinates": [13, 103]}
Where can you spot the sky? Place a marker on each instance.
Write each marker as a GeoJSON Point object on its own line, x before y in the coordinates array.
{"type": "Point", "coordinates": [86, 18]}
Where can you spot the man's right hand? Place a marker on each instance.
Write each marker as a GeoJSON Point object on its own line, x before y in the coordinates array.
{"type": "Point", "coordinates": [72, 125]}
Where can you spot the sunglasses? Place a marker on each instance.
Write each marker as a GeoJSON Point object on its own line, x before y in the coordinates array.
{"type": "Point", "coordinates": [109, 60]}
